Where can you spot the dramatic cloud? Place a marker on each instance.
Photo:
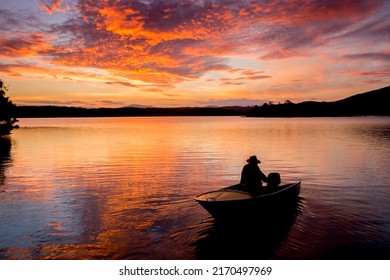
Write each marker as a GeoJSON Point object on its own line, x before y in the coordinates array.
{"type": "Point", "coordinates": [174, 40]}
{"type": "Point", "coordinates": [159, 46]}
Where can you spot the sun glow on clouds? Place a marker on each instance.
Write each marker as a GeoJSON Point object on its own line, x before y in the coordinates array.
{"type": "Point", "coordinates": [51, 6]}
{"type": "Point", "coordinates": [188, 53]}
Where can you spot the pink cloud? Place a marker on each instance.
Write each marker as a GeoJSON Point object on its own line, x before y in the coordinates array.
{"type": "Point", "coordinates": [380, 55]}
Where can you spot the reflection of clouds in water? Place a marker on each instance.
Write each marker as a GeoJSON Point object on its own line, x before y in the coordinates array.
{"type": "Point", "coordinates": [5, 158]}
{"type": "Point", "coordinates": [124, 188]}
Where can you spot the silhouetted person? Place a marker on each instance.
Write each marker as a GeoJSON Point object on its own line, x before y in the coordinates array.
{"type": "Point", "coordinates": [252, 176]}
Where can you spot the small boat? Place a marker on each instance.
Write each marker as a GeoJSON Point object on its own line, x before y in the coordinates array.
{"type": "Point", "coordinates": [232, 202]}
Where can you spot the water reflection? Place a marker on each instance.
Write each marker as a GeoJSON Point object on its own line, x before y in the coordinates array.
{"type": "Point", "coordinates": [5, 158]}
{"type": "Point", "coordinates": [123, 188]}
{"type": "Point", "coordinates": [254, 238]}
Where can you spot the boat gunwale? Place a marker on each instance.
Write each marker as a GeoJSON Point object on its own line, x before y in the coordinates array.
{"type": "Point", "coordinates": [287, 186]}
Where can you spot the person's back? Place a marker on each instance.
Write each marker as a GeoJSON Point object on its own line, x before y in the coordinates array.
{"type": "Point", "coordinates": [251, 176]}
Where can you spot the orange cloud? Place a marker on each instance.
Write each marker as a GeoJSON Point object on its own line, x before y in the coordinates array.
{"type": "Point", "coordinates": [24, 45]}
{"type": "Point", "coordinates": [170, 42]}
{"type": "Point", "coordinates": [51, 6]}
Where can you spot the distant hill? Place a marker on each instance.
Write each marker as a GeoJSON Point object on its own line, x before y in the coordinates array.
{"type": "Point", "coordinates": [63, 112]}
{"type": "Point", "coordinates": [375, 102]}
{"type": "Point", "coordinates": [372, 103]}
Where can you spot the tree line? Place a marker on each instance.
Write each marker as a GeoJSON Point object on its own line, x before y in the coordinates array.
{"type": "Point", "coordinates": [7, 112]}
{"type": "Point", "coordinates": [370, 103]}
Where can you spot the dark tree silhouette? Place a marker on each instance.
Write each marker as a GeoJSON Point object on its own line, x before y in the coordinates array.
{"type": "Point", "coordinates": [5, 159]}
{"type": "Point", "coordinates": [7, 110]}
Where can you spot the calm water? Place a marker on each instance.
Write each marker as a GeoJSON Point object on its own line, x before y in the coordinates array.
{"type": "Point", "coordinates": [124, 188]}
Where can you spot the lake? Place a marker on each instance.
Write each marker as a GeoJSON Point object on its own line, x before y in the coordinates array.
{"type": "Point", "coordinates": [124, 188]}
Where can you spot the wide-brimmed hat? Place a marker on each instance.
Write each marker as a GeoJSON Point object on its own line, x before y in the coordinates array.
{"type": "Point", "coordinates": [253, 159]}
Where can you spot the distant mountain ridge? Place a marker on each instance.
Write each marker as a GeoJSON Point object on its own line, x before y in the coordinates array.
{"type": "Point", "coordinates": [375, 103]}
{"type": "Point", "coordinates": [372, 103]}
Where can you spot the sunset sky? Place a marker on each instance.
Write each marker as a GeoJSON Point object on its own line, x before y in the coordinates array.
{"type": "Point", "coordinates": [114, 53]}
